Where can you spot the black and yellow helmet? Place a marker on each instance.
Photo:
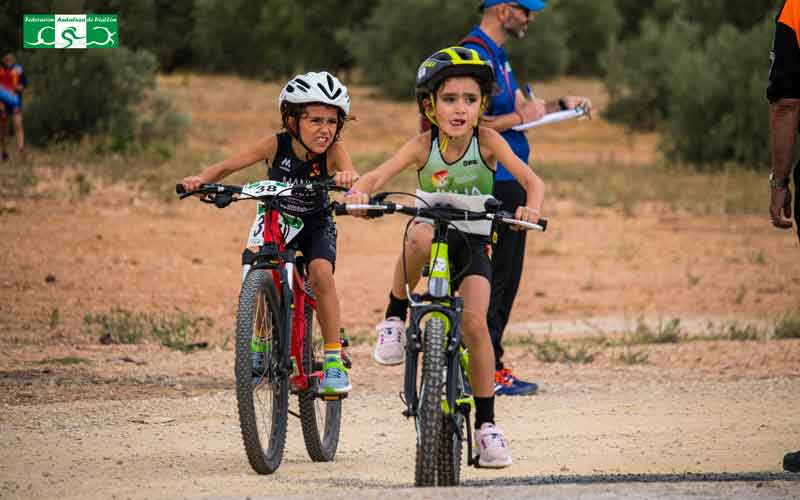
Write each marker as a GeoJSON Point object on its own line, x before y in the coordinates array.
{"type": "Point", "coordinates": [447, 63]}
{"type": "Point", "coordinates": [454, 61]}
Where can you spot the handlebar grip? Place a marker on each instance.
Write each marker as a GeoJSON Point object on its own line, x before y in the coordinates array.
{"type": "Point", "coordinates": [340, 209]}
{"type": "Point", "coordinates": [179, 189]}
{"type": "Point", "coordinates": [543, 223]}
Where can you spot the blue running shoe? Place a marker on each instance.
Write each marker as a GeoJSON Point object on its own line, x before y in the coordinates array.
{"type": "Point", "coordinates": [507, 384]}
{"type": "Point", "coordinates": [335, 380]}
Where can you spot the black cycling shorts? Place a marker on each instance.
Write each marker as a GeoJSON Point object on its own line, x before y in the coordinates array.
{"type": "Point", "coordinates": [317, 240]}
{"type": "Point", "coordinates": [468, 258]}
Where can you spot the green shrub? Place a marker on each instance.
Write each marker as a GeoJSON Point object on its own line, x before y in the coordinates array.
{"type": "Point", "coordinates": [711, 15]}
{"type": "Point", "coordinates": [788, 326]}
{"type": "Point", "coordinates": [127, 327]}
{"type": "Point", "coordinates": [551, 351]}
{"type": "Point", "coordinates": [93, 92]}
{"type": "Point", "coordinates": [631, 357]}
{"type": "Point", "coordinates": [119, 325]}
{"type": "Point", "coordinates": [276, 39]}
{"type": "Point", "coordinates": [389, 57]}
{"type": "Point", "coordinates": [717, 109]}
{"type": "Point", "coordinates": [638, 72]}
{"type": "Point", "coordinates": [589, 28]}
{"type": "Point", "coordinates": [543, 53]}
{"type": "Point", "coordinates": [664, 333]}
{"type": "Point", "coordinates": [632, 12]}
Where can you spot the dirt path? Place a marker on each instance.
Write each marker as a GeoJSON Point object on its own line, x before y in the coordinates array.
{"type": "Point", "coordinates": [649, 429]}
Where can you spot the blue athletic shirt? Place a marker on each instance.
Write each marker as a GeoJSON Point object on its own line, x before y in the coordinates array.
{"type": "Point", "coordinates": [502, 103]}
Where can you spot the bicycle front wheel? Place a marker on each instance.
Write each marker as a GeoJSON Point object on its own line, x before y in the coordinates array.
{"type": "Point", "coordinates": [454, 426]}
{"type": "Point", "coordinates": [321, 420]}
{"type": "Point", "coordinates": [262, 388]}
{"type": "Point", "coordinates": [429, 414]}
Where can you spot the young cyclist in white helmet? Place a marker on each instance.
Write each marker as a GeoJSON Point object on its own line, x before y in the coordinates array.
{"type": "Point", "coordinates": [314, 108]}
{"type": "Point", "coordinates": [458, 156]}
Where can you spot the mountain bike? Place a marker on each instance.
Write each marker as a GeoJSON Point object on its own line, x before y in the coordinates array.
{"type": "Point", "coordinates": [439, 397]}
{"type": "Point", "coordinates": [277, 350]}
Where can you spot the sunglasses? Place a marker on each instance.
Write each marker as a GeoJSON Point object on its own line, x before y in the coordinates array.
{"type": "Point", "coordinates": [526, 12]}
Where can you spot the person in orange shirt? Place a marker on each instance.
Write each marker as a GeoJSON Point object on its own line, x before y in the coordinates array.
{"type": "Point", "coordinates": [783, 93]}
{"type": "Point", "coordinates": [10, 82]}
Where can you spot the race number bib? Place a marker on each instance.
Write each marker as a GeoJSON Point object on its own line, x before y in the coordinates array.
{"type": "Point", "coordinates": [289, 226]}
{"type": "Point", "coordinates": [262, 188]}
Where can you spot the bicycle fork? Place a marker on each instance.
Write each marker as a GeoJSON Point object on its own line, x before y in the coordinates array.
{"type": "Point", "coordinates": [455, 404]}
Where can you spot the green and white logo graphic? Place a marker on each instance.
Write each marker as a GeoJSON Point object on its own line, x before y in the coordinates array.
{"type": "Point", "coordinates": [70, 31]}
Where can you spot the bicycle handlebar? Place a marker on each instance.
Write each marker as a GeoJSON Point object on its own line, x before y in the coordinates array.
{"type": "Point", "coordinates": [227, 191]}
{"type": "Point", "coordinates": [437, 212]}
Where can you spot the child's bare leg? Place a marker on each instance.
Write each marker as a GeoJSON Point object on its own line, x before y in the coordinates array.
{"type": "Point", "coordinates": [3, 132]}
{"type": "Point", "coordinates": [418, 250]}
{"type": "Point", "coordinates": [16, 119]}
{"type": "Point", "coordinates": [320, 273]}
{"type": "Point", "coordinates": [475, 291]}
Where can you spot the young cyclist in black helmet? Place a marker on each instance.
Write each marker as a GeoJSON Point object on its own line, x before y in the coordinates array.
{"type": "Point", "coordinates": [458, 157]}
{"type": "Point", "coordinates": [314, 108]}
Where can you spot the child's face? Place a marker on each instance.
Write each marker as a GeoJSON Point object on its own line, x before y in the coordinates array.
{"type": "Point", "coordinates": [458, 102]}
{"type": "Point", "coordinates": [318, 127]}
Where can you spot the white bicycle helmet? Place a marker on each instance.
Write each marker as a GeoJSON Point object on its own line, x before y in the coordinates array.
{"type": "Point", "coordinates": [316, 87]}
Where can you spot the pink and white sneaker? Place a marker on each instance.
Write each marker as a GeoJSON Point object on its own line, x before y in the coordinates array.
{"type": "Point", "coordinates": [492, 447]}
{"type": "Point", "coordinates": [389, 347]}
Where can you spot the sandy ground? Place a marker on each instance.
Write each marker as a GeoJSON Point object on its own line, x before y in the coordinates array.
{"type": "Point", "coordinates": [702, 418]}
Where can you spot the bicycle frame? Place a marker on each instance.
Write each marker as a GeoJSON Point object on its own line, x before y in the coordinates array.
{"type": "Point", "coordinates": [437, 302]}
{"type": "Point", "coordinates": [290, 283]}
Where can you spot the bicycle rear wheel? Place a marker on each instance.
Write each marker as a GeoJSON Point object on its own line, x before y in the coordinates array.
{"type": "Point", "coordinates": [321, 420]}
{"type": "Point", "coordinates": [429, 414]}
{"type": "Point", "coordinates": [262, 396]}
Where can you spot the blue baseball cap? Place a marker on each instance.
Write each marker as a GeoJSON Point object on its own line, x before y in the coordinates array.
{"type": "Point", "coordinates": [531, 5]}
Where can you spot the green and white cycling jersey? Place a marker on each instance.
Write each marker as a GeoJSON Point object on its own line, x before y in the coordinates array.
{"type": "Point", "coordinates": [466, 183]}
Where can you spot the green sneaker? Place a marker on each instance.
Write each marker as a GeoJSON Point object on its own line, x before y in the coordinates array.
{"type": "Point", "coordinates": [334, 377]}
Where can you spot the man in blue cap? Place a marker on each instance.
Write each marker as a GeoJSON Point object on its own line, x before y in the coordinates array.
{"type": "Point", "coordinates": [500, 21]}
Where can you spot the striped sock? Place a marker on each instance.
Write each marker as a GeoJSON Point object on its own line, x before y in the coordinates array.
{"type": "Point", "coordinates": [333, 352]}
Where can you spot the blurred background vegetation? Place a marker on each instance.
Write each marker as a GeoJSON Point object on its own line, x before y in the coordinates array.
{"type": "Point", "coordinates": [695, 71]}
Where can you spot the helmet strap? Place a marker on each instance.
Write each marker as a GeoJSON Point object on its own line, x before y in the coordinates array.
{"type": "Point", "coordinates": [431, 115]}
{"type": "Point", "coordinates": [480, 112]}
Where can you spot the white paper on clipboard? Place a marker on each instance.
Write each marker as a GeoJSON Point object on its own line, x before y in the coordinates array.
{"type": "Point", "coordinates": [558, 116]}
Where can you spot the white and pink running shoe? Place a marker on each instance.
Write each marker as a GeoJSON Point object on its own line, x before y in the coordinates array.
{"type": "Point", "coordinates": [492, 447]}
{"type": "Point", "coordinates": [389, 347]}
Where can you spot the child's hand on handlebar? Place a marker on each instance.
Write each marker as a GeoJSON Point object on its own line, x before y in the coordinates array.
{"type": "Point", "coordinates": [526, 214]}
{"type": "Point", "coordinates": [192, 183]}
{"type": "Point", "coordinates": [359, 198]}
{"type": "Point", "coordinates": [345, 178]}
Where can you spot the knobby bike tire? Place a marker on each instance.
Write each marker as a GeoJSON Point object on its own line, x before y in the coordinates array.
{"type": "Point", "coordinates": [263, 401]}
{"type": "Point", "coordinates": [321, 420]}
{"type": "Point", "coordinates": [429, 413]}
{"type": "Point", "coordinates": [451, 445]}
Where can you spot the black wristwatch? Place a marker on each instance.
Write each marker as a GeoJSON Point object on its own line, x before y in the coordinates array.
{"type": "Point", "coordinates": [778, 183]}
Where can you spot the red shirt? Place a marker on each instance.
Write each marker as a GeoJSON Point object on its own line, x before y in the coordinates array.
{"type": "Point", "coordinates": [9, 79]}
